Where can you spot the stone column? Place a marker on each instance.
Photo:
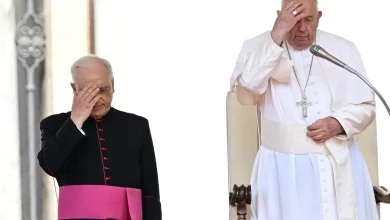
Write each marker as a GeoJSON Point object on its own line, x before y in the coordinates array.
{"type": "Point", "coordinates": [30, 48]}
{"type": "Point", "coordinates": [10, 183]}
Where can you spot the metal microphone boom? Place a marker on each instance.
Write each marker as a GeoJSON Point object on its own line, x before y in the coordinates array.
{"type": "Point", "coordinates": [321, 52]}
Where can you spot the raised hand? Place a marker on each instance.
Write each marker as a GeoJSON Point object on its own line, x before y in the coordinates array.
{"type": "Point", "coordinates": [286, 20]}
{"type": "Point", "coordinates": [323, 129]}
{"type": "Point", "coordinates": [83, 103]}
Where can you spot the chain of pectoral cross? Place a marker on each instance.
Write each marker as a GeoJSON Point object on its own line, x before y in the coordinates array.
{"type": "Point", "coordinates": [304, 103]}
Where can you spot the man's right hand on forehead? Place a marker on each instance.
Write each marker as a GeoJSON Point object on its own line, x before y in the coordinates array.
{"type": "Point", "coordinates": [290, 14]}
{"type": "Point", "coordinates": [83, 104]}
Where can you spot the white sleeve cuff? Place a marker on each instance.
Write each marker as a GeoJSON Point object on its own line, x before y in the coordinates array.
{"type": "Point", "coordinates": [81, 130]}
{"type": "Point", "coordinates": [342, 137]}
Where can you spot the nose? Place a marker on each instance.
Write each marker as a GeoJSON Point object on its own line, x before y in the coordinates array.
{"type": "Point", "coordinates": [301, 25]}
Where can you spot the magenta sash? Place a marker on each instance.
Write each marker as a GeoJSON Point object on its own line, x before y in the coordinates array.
{"type": "Point", "coordinates": [99, 202]}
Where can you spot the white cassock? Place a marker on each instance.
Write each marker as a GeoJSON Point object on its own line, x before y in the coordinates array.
{"type": "Point", "coordinates": [294, 178]}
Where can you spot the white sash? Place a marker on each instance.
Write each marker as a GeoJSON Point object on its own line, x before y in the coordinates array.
{"type": "Point", "coordinates": [292, 139]}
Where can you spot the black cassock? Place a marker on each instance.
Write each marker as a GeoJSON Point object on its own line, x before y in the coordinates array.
{"type": "Point", "coordinates": [108, 173]}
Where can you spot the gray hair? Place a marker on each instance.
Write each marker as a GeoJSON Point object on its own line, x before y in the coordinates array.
{"type": "Point", "coordinates": [89, 60]}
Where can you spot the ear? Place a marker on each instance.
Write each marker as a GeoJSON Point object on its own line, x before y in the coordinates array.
{"type": "Point", "coordinates": [73, 88]}
{"type": "Point", "coordinates": [319, 15]}
{"type": "Point", "coordinates": [112, 84]}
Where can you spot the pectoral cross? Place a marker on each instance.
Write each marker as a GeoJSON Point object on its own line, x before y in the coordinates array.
{"type": "Point", "coordinates": [304, 104]}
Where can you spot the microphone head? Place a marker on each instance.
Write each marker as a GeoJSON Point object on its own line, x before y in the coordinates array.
{"type": "Point", "coordinates": [314, 49]}
{"type": "Point", "coordinates": [318, 51]}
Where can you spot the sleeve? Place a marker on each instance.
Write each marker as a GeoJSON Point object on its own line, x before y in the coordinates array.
{"type": "Point", "coordinates": [57, 145]}
{"type": "Point", "coordinates": [149, 181]}
{"type": "Point", "coordinates": [355, 118]}
{"type": "Point", "coordinates": [262, 64]}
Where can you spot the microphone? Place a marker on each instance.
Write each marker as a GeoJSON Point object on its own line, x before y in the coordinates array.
{"type": "Point", "coordinates": [318, 51]}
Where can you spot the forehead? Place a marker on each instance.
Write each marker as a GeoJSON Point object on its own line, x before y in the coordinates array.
{"type": "Point", "coordinates": [94, 73]}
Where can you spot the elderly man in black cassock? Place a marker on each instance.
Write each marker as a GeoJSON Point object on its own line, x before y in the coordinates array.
{"type": "Point", "coordinates": [102, 158]}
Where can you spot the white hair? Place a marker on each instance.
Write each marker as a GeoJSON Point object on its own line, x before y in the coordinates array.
{"type": "Point", "coordinates": [283, 1]}
{"type": "Point", "coordinates": [89, 60]}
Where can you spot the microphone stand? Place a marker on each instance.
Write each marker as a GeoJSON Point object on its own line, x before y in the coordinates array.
{"type": "Point", "coordinates": [382, 194]}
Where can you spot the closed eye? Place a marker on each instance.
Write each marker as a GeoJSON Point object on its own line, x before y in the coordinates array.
{"type": "Point", "coordinates": [309, 19]}
{"type": "Point", "coordinates": [105, 89]}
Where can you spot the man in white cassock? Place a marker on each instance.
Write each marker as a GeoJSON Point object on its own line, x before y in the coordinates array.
{"type": "Point", "coordinates": [308, 166]}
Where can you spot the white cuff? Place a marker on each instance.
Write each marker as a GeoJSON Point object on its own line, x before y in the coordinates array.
{"type": "Point", "coordinates": [81, 130]}
{"type": "Point", "coordinates": [342, 137]}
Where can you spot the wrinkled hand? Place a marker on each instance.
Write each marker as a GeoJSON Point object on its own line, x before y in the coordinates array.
{"type": "Point", "coordinates": [323, 129]}
{"type": "Point", "coordinates": [286, 20]}
{"type": "Point", "coordinates": [83, 103]}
